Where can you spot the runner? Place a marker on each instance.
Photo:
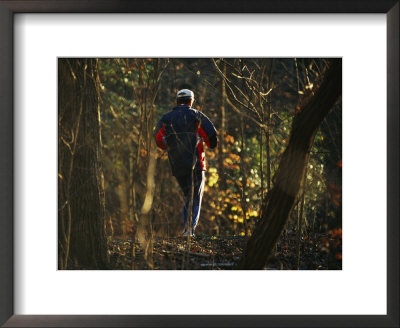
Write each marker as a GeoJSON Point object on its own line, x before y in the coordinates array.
{"type": "Point", "coordinates": [182, 132]}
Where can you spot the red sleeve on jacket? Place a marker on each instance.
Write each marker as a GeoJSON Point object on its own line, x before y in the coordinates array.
{"type": "Point", "coordinates": [203, 135]}
{"type": "Point", "coordinates": [159, 138]}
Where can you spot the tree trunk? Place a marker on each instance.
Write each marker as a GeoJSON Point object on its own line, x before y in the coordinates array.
{"type": "Point", "coordinates": [300, 218]}
{"type": "Point", "coordinates": [82, 239]}
{"type": "Point", "coordinates": [268, 133]}
{"type": "Point", "coordinates": [222, 96]}
{"type": "Point", "coordinates": [287, 180]}
{"type": "Point", "coordinates": [244, 178]}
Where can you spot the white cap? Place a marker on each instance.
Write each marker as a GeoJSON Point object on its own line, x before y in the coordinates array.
{"type": "Point", "coordinates": [185, 93]}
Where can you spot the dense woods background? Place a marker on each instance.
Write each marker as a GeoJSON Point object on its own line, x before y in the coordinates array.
{"type": "Point", "coordinates": [273, 189]}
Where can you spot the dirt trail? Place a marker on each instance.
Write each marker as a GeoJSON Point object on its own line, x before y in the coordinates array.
{"type": "Point", "coordinates": [207, 252]}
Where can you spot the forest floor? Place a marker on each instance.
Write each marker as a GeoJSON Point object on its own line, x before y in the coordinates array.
{"type": "Point", "coordinates": [208, 252]}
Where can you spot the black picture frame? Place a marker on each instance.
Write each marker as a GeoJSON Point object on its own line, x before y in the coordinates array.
{"type": "Point", "coordinates": [10, 7]}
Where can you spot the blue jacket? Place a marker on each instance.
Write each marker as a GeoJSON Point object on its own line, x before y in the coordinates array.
{"type": "Point", "coordinates": [182, 132]}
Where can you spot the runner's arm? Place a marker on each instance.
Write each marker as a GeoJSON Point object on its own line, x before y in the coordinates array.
{"type": "Point", "coordinates": [207, 131]}
{"type": "Point", "coordinates": [160, 135]}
